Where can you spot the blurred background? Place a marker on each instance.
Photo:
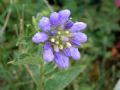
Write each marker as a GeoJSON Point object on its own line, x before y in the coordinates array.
{"type": "Point", "coordinates": [101, 54]}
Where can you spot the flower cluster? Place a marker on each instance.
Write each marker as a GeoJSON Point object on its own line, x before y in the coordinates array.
{"type": "Point", "coordinates": [60, 37]}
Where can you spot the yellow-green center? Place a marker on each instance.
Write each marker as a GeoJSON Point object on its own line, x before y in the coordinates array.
{"type": "Point", "coordinates": [58, 39]}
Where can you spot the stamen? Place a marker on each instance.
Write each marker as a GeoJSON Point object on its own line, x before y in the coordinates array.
{"type": "Point", "coordinates": [57, 42]}
{"type": "Point", "coordinates": [56, 48]}
{"type": "Point", "coordinates": [70, 18]}
{"type": "Point", "coordinates": [58, 32]}
{"type": "Point", "coordinates": [64, 38]}
{"type": "Point", "coordinates": [68, 44]}
{"type": "Point", "coordinates": [52, 39]}
{"type": "Point", "coordinates": [61, 46]}
{"type": "Point", "coordinates": [67, 32]}
{"type": "Point", "coordinates": [57, 37]}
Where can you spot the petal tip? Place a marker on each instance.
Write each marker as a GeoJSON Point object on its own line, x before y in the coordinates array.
{"type": "Point", "coordinates": [54, 18]}
{"type": "Point", "coordinates": [44, 24]}
{"type": "Point", "coordinates": [78, 26]}
{"type": "Point", "coordinates": [39, 37]}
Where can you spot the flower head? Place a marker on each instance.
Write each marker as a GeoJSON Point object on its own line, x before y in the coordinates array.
{"type": "Point", "coordinates": [61, 38]}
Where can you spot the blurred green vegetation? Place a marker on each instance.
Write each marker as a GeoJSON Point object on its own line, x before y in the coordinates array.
{"type": "Point", "coordinates": [101, 54]}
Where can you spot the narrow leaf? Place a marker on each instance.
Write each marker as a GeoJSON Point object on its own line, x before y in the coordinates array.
{"type": "Point", "coordinates": [26, 60]}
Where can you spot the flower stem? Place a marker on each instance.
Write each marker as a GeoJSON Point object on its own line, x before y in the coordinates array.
{"type": "Point", "coordinates": [40, 85]}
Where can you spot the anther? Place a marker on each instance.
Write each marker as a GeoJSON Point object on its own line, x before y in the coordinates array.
{"type": "Point", "coordinates": [59, 32]}
{"type": "Point", "coordinates": [57, 42]}
{"type": "Point", "coordinates": [61, 47]}
{"type": "Point", "coordinates": [68, 44]}
{"type": "Point", "coordinates": [67, 32]}
{"type": "Point", "coordinates": [52, 39]}
{"type": "Point", "coordinates": [70, 18]}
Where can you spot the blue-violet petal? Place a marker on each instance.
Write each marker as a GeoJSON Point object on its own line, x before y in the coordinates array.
{"type": "Point", "coordinates": [78, 36]}
{"type": "Point", "coordinates": [61, 60]}
{"type": "Point", "coordinates": [54, 19]}
{"type": "Point", "coordinates": [44, 24]}
{"type": "Point", "coordinates": [48, 55]}
{"type": "Point", "coordinates": [75, 54]}
{"type": "Point", "coordinates": [68, 24]}
{"type": "Point", "coordinates": [40, 37]}
{"type": "Point", "coordinates": [64, 15]}
{"type": "Point", "coordinates": [78, 26]}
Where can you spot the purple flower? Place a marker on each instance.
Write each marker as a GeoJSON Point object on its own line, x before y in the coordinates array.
{"type": "Point", "coordinates": [61, 38]}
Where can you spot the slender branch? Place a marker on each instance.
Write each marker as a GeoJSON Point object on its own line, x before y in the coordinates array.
{"type": "Point", "coordinates": [30, 73]}
{"type": "Point", "coordinates": [6, 21]}
{"type": "Point", "coordinates": [23, 83]}
{"type": "Point", "coordinates": [40, 85]}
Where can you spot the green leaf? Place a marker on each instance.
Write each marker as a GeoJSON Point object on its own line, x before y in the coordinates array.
{"type": "Point", "coordinates": [84, 86]}
{"type": "Point", "coordinates": [27, 60]}
{"type": "Point", "coordinates": [49, 68]}
{"type": "Point", "coordinates": [61, 79]}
